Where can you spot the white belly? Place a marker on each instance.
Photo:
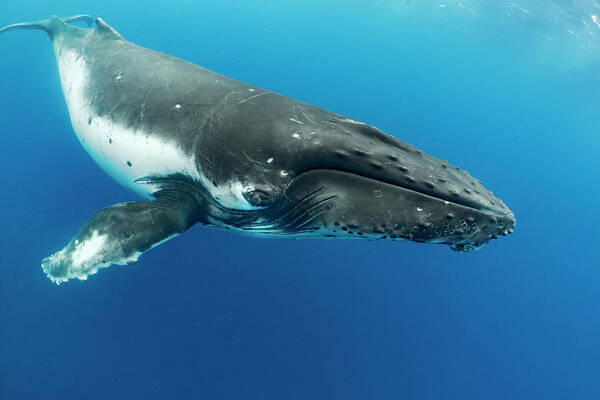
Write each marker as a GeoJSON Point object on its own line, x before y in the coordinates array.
{"type": "Point", "coordinates": [126, 154]}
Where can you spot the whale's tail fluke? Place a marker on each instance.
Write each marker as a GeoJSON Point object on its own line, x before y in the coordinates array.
{"type": "Point", "coordinates": [51, 24]}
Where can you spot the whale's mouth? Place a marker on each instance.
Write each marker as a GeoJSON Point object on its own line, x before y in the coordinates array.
{"type": "Point", "coordinates": [490, 204]}
{"type": "Point", "coordinates": [334, 203]}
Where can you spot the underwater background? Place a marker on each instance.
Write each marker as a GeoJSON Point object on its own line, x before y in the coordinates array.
{"type": "Point", "coordinates": [508, 90]}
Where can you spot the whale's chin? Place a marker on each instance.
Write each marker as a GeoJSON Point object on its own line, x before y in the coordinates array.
{"type": "Point", "coordinates": [337, 204]}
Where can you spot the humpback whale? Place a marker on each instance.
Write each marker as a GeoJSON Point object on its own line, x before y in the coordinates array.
{"type": "Point", "coordinates": [201, 148]}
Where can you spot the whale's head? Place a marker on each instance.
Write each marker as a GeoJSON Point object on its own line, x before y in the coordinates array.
{"type": "Point", "coordinates": [340, 178]}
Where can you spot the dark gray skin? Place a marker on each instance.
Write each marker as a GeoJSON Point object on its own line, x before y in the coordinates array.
{"type": "Point", "coordinates": [341, 178]}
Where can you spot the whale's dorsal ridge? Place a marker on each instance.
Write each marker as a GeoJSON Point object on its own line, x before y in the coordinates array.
{"type": "Point", "coordinates": [107, 30]}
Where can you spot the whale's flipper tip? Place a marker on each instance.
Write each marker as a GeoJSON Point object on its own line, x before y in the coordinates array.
{"type": "Point", "coordinates": [121, 233]}
{"type": "Point", "coordinates": [49, 25]}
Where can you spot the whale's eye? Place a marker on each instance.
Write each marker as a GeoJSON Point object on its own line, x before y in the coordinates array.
{"type": "Point", "coordinates": [259, 198]}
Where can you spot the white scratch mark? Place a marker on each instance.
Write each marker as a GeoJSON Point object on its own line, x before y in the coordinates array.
{"type": "Point", "coordinates": [251, 97]}
{"type": "Point", "coordinates": [308, 117]}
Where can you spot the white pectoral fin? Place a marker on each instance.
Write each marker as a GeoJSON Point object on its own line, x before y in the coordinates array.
{"type": "Point", "coordinates": [119, 234]}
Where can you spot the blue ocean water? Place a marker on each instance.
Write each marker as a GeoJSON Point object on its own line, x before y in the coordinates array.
{"type": "Point", "coordinates": [507, 90]}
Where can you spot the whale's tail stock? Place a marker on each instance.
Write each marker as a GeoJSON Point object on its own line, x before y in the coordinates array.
{"type": "Point", "coordinates": [50, 25]}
